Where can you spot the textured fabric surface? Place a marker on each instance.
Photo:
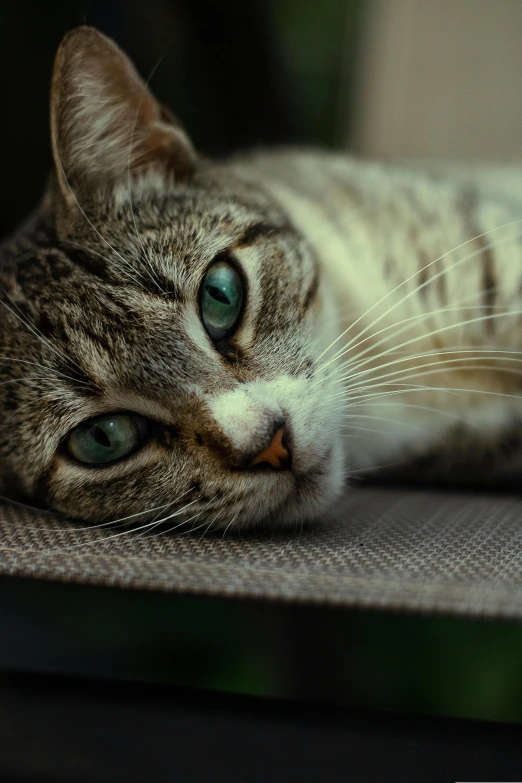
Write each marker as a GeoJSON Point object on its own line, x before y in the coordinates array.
{"type": "Point", "coordinates": [413, 550]}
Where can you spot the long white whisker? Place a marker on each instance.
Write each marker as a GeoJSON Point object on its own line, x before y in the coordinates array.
{"type": "Point", "coordinates": [40, 366]}
{"type": "Point", "coordinates": [401, 381]}
{"type": "Point", "coordinates": [418, 288]}
{"type": "Point", "coordinates": [107, 538]}
{"type": "Point", "coordinates": [356, 364]}
{"type": "Point", "coordinates": [183, 522]}
{"type": "Point", "coordinates": [207, 527]}
{"type": "Point", "coordinates": [37, 334]}
{"type": "Point", "coordinates": [456, 307]}
{"type": "Point", "coordinates": [359, 416]}
{"type": "Point", "coordinates": [491, 355]}
{"type": "Point", "coordinates": [449, 390]}
{"type": "Point", "coordinates": [430, 409]}
{"type": "Point", "coordinates": [112, 522]}
{"type": "Point", "coordinates": [232, 521]}
{"type": "Point", "coordinates": [151, 271]}
{"type": "Point", "coordinates": [125, 261]}
{"type": "Point", "coordinates": [404, 326]}
{"type": "Point", "coordinates": [351, 427]}
{"type": "Point", "coordinates": [354, 472]}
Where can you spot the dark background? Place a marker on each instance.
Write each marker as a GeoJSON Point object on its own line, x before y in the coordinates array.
{"type": "Point", "coordinates": [237, 73]}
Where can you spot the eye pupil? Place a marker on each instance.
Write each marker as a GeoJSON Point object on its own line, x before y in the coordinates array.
{"type": "Point", "coordinates": [100, 437]}
{"type": "Point", "coordinates": [216, 293]}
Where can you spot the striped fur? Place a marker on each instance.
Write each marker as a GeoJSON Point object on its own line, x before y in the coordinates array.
{"type": "Point", "coordinates": [382, 317]}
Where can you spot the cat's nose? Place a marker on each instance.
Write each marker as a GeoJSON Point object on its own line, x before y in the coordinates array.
{"type": "Point", "coordinates": [276, 454]}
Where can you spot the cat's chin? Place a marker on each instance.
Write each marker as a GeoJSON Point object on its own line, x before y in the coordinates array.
{"type": "Point", "coordinates": [311, 497]}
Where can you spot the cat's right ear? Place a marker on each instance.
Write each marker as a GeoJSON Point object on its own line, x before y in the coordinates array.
{"type": "Point", "coordinates": [106, 125]}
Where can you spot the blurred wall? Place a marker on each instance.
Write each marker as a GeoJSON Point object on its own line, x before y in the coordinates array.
{"type": "Point", "coordinates": [439, 79]}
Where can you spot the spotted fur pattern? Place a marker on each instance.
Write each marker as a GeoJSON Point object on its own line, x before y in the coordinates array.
{"type": "Point", "coordinates": [382, 317]}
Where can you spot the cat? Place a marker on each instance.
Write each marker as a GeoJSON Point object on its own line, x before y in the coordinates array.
{"type": "Point", "coordinates": [230, 343]}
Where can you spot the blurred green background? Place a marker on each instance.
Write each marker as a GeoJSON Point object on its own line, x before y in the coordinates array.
{"type": "Point", "coordinates": [237, 74]}
{"type": "Point", "coordinates": [444, 666]}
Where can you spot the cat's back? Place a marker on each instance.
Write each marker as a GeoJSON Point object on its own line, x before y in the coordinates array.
{"type": "Point", "coordinates": [441, 236]}
{"type": "Point", "coordinates": [324, 177]}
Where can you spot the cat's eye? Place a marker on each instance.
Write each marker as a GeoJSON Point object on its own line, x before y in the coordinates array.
{"type": "Point", "coordinates": [107, 438]}
{"type": "Point", "coordinates": [221, 299]}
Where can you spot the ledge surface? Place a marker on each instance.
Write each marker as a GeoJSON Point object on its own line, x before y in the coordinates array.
{"type": "Point", "coordinates": [380, 548]}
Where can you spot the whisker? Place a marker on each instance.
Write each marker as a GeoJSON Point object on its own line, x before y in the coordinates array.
{"type": "Point", "coordinates": [40, 366]}
{"type": "Point", "coordinates": [360, 416]}
{"type": "Point", "coordinates": [183, 523]}
{"type": "Point", "coordinates": [431, 409]}
{"type": "Point", "coordinates": [351, 427]}
{"type": "Point", "coordinates": [151, 271]}
{"type": "Point", "coordinates": [180, 524]}
{"type": "Point", "coordinates": [61, 518]}
{"type": "Point", "coordinates": [36, 332]}
{"type": "Point", "coordinates": [449, 390]}
{"type": "Point", "coordinates": [418, 317]}
{"type": "Point", "coordinates": [354, 471]}
{"type": "Point", "coordinates": [105, 539]}
{"type": "Point", "coordinates": [209, 526]}
{"type": "Point", "coordinates": [440, 363]}
{"type": "Point", "coordinates": [404, 328]}
{"type": "Point", "coordinates": [429, 281]}
{"type": "Point", "coordinates": [122, 258]}
{"type": "Point", "coordinates": [441, 330]}
{"type": "Point", "coordinates": [232, 521]}
{"type": "Point", "coordinates": [123, 270]}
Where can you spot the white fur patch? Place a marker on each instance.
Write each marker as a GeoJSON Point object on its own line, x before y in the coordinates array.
{"type": "Point", "coordinates": [247, 416]}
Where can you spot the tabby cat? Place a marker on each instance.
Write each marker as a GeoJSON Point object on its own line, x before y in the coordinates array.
{"type": "Point", "coordinates": [226, 344]}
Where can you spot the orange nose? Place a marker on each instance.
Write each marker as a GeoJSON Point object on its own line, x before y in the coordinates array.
{"type": "Point", "coordinates": [276, 454]}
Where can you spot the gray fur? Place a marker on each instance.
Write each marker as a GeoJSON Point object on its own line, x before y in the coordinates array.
{"type": "Point", "coordinates": [99, 292]}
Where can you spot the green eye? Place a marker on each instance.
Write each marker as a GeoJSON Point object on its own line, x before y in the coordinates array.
{"type": "Point", "coordinates": [106, 438]}
{"type": "Point", "coordinates": [221, 299]}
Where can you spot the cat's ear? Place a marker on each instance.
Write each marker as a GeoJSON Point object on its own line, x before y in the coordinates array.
{"type": "Point", "coordinates": [105, 123]}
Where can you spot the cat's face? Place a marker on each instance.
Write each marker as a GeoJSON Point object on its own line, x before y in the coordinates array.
{"type": "Point", "coordinates": [180, 317]}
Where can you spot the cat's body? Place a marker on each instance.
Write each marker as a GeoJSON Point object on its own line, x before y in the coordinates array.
{"type": "Point", "coordinates": [377, 325]}
{"type": "Point", "coordinates": [426, 267]}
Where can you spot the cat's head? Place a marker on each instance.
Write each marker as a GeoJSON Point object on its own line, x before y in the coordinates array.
{"type": "Point", "coordinates": [162, 323]}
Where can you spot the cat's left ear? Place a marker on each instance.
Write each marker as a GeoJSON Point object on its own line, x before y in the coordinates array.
{"type": "Point", "coordinates": [105, 123]}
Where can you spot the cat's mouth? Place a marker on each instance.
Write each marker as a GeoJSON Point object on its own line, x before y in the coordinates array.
{"type": "Point", "coordinates": [303, 494]}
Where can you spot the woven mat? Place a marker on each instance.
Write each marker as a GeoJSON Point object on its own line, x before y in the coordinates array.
{"type": "Point", "coordinates": [381, 548]}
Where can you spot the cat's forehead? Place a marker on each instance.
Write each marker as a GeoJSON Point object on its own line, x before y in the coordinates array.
{"type": "Point", "coordinates": [174, 229]}
{"type": "Point", "coordinates": [212, 201]}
